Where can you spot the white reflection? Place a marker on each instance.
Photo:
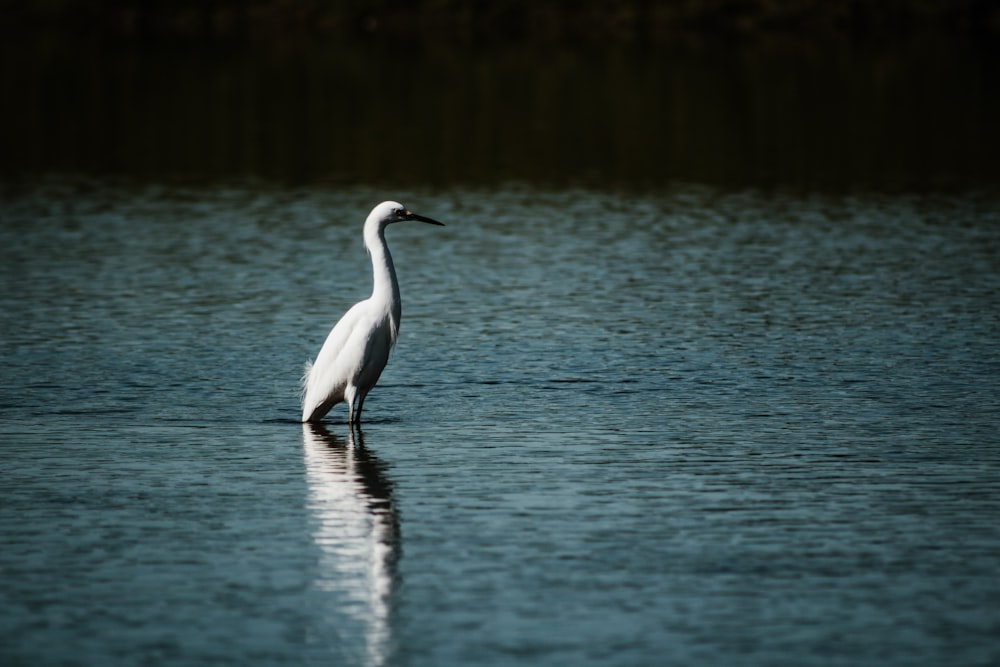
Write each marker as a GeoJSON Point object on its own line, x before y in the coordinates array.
{"type": "Point", "coordinates": [357, 532]}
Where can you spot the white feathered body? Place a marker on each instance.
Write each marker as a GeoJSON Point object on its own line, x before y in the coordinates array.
{"type": "Point", "coordinates": [351, 360]}
{"type": "Point", "coordinates": [357, 349]}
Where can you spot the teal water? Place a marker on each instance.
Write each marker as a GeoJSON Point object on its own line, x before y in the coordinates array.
{"type": "Point", "coordinates": [696, 426]}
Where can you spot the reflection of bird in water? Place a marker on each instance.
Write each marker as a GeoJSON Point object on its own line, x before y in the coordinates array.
{"type": "Point", "coordinates": [358, 535]}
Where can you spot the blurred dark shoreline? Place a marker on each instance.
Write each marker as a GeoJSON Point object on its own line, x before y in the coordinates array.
{"type": "Point", "coordinates": [817, 96]}
{"type": "Point", "coordinates": [471, 22]}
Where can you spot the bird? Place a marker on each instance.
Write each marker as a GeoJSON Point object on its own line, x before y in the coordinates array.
{"type": "Point", "coordinates": [357, 348]}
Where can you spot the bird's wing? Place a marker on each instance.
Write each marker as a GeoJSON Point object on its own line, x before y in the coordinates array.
{"type": "Point", "coordinates": [326, 377]}
{"type": "Point", "coordinates": [377, 342]}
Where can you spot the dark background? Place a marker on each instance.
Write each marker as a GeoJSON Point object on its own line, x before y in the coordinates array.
{"type": "Point", "coordinates": [793, 93]}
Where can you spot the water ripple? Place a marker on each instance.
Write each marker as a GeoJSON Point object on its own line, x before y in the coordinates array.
{"type": "Point", "coordinates": [694, 426]}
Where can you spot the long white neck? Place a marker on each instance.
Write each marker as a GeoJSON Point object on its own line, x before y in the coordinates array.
{"type": "Point", "coordinates": [385, 287]}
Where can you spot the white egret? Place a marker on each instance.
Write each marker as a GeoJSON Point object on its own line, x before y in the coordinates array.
{"type": "Point", "coordinates": [357, 349]}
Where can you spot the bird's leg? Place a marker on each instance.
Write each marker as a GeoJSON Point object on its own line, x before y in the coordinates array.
{"type": "Point", "coordinates": [349, 395]}
{"type": "Point", "coordinates": [361, 402]}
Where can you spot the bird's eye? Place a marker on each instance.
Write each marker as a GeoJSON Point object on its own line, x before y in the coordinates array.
{"type": "Point", "coordinates": [400, 211]}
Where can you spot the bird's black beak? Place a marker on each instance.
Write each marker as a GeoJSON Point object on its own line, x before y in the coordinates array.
{"type": "Point", "coordinates": [409, 215]}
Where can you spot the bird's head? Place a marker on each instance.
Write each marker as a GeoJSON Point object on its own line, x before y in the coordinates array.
{"type": "Point", "coordinates": [389, 212]}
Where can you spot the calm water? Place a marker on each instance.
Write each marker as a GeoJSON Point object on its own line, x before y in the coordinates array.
{"type": "Point", "coordinates": [692, 427]}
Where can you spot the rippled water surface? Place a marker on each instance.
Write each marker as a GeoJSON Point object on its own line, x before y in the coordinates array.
{"type": "Point", "coordinates": [693, 427]}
